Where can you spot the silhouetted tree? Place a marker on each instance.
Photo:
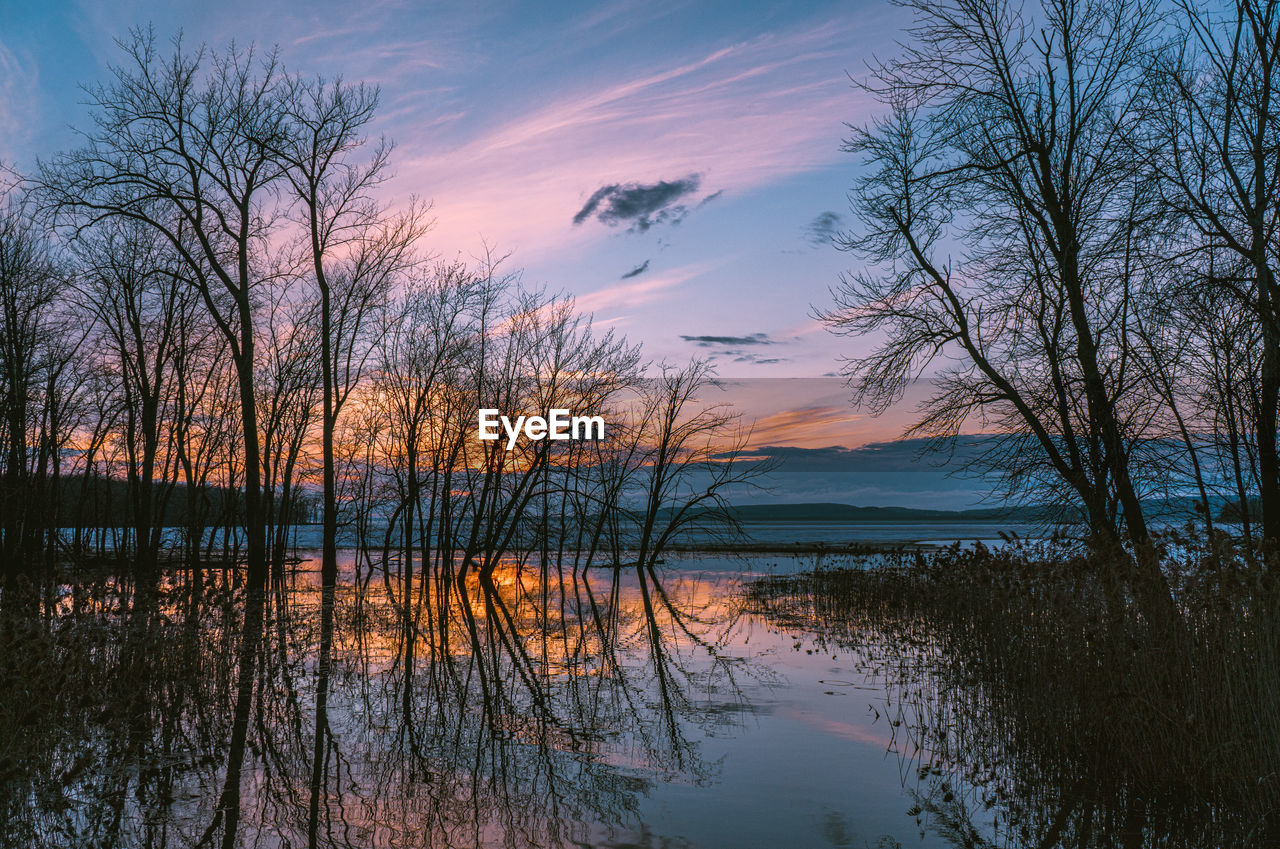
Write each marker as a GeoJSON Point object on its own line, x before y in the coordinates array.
{"type": "Point", "coordinates": [1215, 112]}
{"type": "Point", "coordinates": [997, 213]}
{"type": "Point", "coordinates": [36, 345]}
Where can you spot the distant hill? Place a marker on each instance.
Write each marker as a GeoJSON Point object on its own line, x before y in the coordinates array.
{"type": "Point", "coordinates": [829, 512]}
{"type": "Point", "coordinates": [1175, 510]}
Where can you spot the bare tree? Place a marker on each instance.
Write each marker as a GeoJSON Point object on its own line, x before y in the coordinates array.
{"type": "Point", "coordinates": [690, 460]}
{"type": "Point", "coordinates": [199, 360]}
{"type": "Point", "coordinates": [356, 250]}
{"type": "Point", "coordinates": [1215, 109]}
{"type": "Point", "coordinates": [133, 287]}
{"type": "Point", "coordinates": [288, 394]}
{"type": "Point", "coordinates": [998, 211]}
{"type": "Point", "coordinates": [186, 145]}
{"type": "Point", "coordinates": [31, 356]}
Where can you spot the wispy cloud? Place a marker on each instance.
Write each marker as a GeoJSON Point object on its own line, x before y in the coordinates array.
{"type": "Point", "coordinates": [740, 117]}
{"type": "Point", "coordinates": [806, 426]}
{"type": "Point", "coordinates": [19, 84]}
{"type": "Point", "coordinates": [511, 141]}
{"type": "Point", "coordinates": [625, 295]}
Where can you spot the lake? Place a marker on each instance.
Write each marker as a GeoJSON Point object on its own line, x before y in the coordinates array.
{"type": "Point", "coordinates": [614, 709]}
{"type": "Point", "coordinates": [533, 707]}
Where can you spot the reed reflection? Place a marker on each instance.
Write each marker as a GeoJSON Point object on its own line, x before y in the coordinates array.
{"type": "Point", "coordinates": [1023, 716]}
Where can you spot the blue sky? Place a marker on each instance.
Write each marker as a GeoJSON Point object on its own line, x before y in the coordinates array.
{"type": "Point", "coordinates": [511, 116]}
{"type": "Point", "coordinates": [675, 166]}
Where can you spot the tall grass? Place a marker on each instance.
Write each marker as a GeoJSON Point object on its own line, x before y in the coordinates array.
{"type": "Point", "coordinates": [1027, 702]}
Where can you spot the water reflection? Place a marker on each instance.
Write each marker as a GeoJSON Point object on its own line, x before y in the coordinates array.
{"type": "Point", "coordinates": [1017, 733]}
{"type": "Point", "coordinates": [546, 707]}
{"type": "Point", "coordinates": [527, 707]}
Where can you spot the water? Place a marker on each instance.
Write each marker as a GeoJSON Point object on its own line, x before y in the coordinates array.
{"type": "Point", "coordinates": [540, 708]}
{"type": "Point", "coordinates": [929, 533]}
{"type": "Point", "coordinates": [755, 533]}
{"type": "Point", "coordinates": [799, 761]}
{"type": "Point", "coordinates": [618, 710]}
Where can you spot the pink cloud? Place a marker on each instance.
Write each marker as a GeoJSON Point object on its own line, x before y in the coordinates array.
{"type": "Point", "coordinates": [630, 294]}
{"type": "Point", "coordinates": [807, 427]}
{"type": "Point", "coordinates": [742, 116]}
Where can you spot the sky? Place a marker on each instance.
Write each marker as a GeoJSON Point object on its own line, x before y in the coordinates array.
{"type": "Point", "coordinates": [675, 166]}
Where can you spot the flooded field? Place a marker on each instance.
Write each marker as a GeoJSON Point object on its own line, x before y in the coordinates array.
{"type": "Point", "coordinates": [680, 707]}
{"type": "Point", "coordinates": [612, 709]}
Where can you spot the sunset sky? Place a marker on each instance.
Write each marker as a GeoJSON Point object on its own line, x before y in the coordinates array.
{"type": "Point", "coordinates": [674, 165]}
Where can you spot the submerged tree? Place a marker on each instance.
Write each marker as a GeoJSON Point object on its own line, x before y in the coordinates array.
{"type": "Point", "coordinates": [36, 345]}
{"type": "Point", "coordinates": [137, 300]}
{"type": "Point", "coordinates": [357, 251]}
{"type": "Point", "coordinates": [187, 145]}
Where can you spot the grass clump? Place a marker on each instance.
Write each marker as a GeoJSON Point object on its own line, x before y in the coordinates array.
{"type": "Point", "coordinates": [1028, 700]}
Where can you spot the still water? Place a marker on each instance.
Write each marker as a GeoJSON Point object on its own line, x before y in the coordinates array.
{"type": "Point", "coordinates": [763, 533]}
{"type": "Point", "coordinates": [538, 708]}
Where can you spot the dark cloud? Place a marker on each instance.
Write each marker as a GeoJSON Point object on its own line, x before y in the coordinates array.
{"type": "Point", "coordinates": [637, 271]}
{"type": "Point", "coordinates": [819, 231]}
{"type": "Point", "coordinates": [708, 341]}
{"type": "Point", "coordinates": [638, 204]}
{"type": "Point", "coordinates": [732, 348]}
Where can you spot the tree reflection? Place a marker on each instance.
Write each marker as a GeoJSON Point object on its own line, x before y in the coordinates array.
{"type": "Point", "coordinates": [524, 706]}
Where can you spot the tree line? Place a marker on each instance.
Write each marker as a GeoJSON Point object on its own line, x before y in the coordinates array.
{"type": "Point", "coordinates": [212, 300]}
